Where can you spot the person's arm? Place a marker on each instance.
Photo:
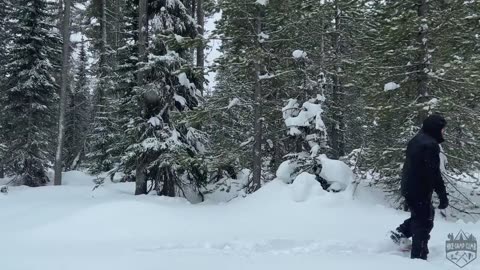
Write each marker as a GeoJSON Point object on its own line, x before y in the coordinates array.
{"type": "Point", "coordinates": [432, 164]}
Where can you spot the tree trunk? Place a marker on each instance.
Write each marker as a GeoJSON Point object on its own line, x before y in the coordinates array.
{"type": "Point", "coordinates": [338, 135]}
{"type": "Point", "coordinates": [257, 126]}
{"type": "Point", "coordinates": [104, 33]}
{"type": "Point", "coordinates": [194, 7]}
{"type": "Point", "coordinates": [322, 46]}
{"type": "Point", "coordinates": [201, 47]}
{"type": "Point", "coordinates": [423, 58]}
{"type": "Point", "coordinates": [140, 178]}
{"type": "Point", "coordinates": [100, 92]}
{"type": "Point", "coordinates": [140, 174]}
{"type": "Point", "coordinates": [59, 19]}
{"type": "Point", "coordinates": [257, 129]}
{"type": "Point", "coordinates": [168, 180]}
{"type": "Point", "coordinates": [117, 31]}
{"type": "Point", "coordinates": [142, 16]}
{"type": "Point", "coordinates": [63, 89]}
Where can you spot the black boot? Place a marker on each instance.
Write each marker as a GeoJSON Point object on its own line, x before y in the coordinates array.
{"type": "Point", "coordinates": [419, 249]}
{"type": "Point", "coordinates": [397, 236]}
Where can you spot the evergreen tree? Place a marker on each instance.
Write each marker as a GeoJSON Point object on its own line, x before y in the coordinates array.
{"type": "Point", "coordinates": [6, 27]}
{"type": "Point", "coordinates": [455, 81]}
{"type": "Point", "coordinates": [78, 114]}
{"type": "Point", "coordinates": [242, 69]}
{"type": "Point", "coordinates": [307, 48]}
{"type": "Point", "coordinates": [30, 91]}
{"type": "Point", "coordinates": [254, 80]}
{"type": "Point", "coordinates": [124, 84]}
{"type": "Point", "coordinates": [105, 101]}
{"type": "Point", "coordinates": [163, 149]}
{"type": "Point", "coordinates": [420, 64]}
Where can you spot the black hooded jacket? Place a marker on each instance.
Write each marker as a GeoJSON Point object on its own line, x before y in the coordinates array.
{"type": "Point", "coordinates": [421, 172]}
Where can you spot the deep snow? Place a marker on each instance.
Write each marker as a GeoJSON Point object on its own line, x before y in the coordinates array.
{"type": "Point", "coordinates": [73, 227]}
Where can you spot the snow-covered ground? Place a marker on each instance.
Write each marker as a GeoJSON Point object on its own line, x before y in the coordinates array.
{"type": "Point", "coordinates": [74, 228]}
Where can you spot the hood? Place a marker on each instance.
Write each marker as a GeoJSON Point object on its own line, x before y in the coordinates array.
{"type": "Point", "coordinates": [433, 126]}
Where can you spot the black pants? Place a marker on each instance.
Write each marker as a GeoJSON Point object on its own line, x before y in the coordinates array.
{"type": "Point", "coordinates": [419, 226]}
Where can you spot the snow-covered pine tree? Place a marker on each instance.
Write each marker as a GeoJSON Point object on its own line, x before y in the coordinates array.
{"type": "Point", "coordinates": [125, 82]}
{"type": "Point", "coordinates": [164, 149]}
{"type": "Point", "coordinates": [305, 124]}
{"type": "Point", "coordinates": [345, 28]}
{"type": "Point", "coordinates": [78, 113]}
{"type": "Point", "coordinates": [30, 91]}
{"type": "Point", "coordinates": [394, 92]}
{"type": "Point", "coordinates": [200, 61]}
{"type": "Point", "coordinates": [6, 27]}
{"type": "Point", "coordinates": [226, 118]}
{"type": "Point", "coordinates": [239, 100]}
{"type": "Point", "coordinates": [456, 79]}
{"type": "Point", "coordinates": [335, 65]}
{"type": "Point", "coordinates": [5, 44]}
{"type": "Point", "coordinates": [229, 112]}
{"type": "Point", "coordinates": [306, 28]}
{"type": "Point", "coordinates": [292, 71]}
{"type": "Point", "coordinates": [115, 10]}
{"type": "Point", "coordinates": [105, 129]}
{"type": "Point", "coordinates": [422, 63]}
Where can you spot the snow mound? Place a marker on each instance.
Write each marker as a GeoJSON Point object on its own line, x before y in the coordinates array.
{"type": "Point", "coordinates": [285, 171]}
{"type": "Point", "coordinates": [337, 173]}
{"type": "Point", "coordinates": [228, 189]}
{"type": "Point", "coordinates": [77, 178]}
{"type": "Point", "coordinates": [4, 181]}
{"type": "Point", "coordinates": [304, 187]}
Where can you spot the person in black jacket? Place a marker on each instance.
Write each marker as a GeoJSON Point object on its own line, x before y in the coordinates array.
{"type": "Point", "coordinates": [421, 176]}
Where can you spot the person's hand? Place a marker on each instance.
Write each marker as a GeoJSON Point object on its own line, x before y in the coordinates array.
{"type": "Point", "coordinates": [443, 202]}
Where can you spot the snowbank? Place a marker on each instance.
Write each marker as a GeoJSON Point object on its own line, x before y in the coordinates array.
{"type": "Point", "coordinates": [336, 172]}
{"type": "Point", "coordinates": [70, 178]}
{"type": "Point", "coordinates": [305, 186]}
{"type": "Point", "coordinates": [4, 181]}
{"type": "Point", "coordinates": [71, 227]}
{"type": "Point", "coordinates": [77, 178]}
{"type": "Point", "coordinates": [285, 171]}
{"type": "Point", "coordinates": [228, 189]}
